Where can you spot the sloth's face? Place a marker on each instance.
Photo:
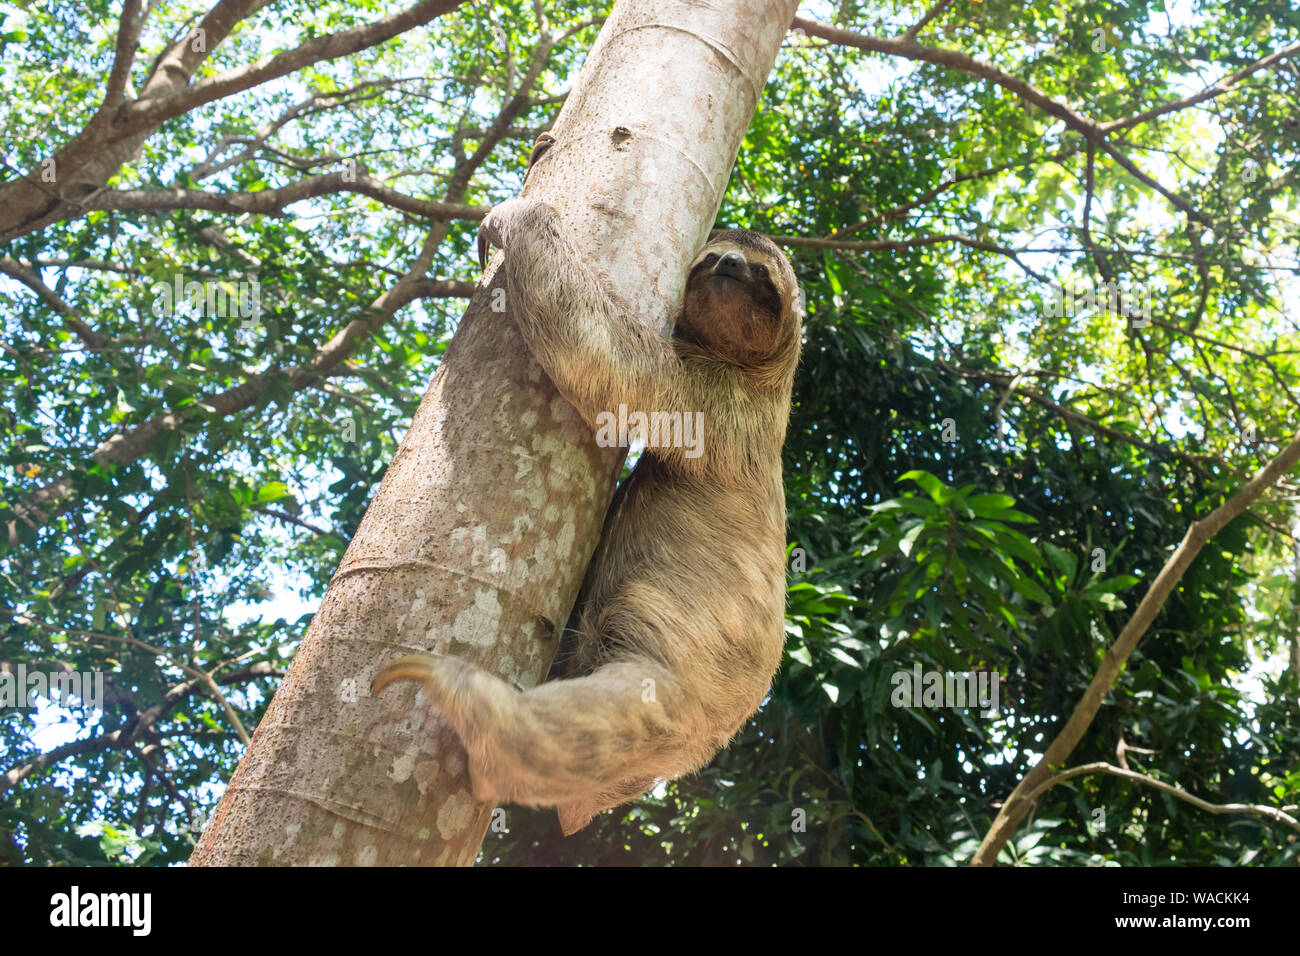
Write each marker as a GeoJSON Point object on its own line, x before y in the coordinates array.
{"type": "Point", "coordinates": [734, 304]}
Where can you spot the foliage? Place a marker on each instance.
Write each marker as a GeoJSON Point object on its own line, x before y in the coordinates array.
{"type": "Point", "coordinates": [976, 480]}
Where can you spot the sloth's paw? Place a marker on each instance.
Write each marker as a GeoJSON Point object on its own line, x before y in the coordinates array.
{"type": "Point", "coordinates": [500, 224]}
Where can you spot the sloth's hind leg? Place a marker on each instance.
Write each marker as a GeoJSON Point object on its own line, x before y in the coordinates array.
{"type": "Point", "coordinates": [583, 744]}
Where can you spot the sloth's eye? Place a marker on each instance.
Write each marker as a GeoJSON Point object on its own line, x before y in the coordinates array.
{"type": "Point", "coordinates": [710, 259]}
{"type": "Point", "coordinates": [762, 271]}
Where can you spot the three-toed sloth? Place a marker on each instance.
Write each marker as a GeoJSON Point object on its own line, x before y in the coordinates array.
{"type": "Point", "coordinates": [682, 610]}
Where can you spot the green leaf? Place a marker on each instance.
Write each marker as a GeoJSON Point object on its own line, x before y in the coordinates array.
{"type": "Point", "coordinates": [909, 539]}
{"type": "Point", "coordinates": [1065, 562]}
{"type": "Point", "coordinates": [990, 506]}
{"type": "Point", "coordinates": [927, 482]}
{"type": "Point", "coordinates": [846, 658]}
{"type": "Point", "coordinates": [273, 491]}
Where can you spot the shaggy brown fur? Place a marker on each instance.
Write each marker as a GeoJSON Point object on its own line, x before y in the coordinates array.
{"type": "Point", "coordinates": [681, 625]}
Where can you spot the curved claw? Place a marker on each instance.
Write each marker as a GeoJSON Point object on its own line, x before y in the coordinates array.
{"type": "Point", "coordinates": [484, 246]}
{"type": "Point", "coordinates": [411, 667]}
{"type": "Point", "coordinates": [490, 232]}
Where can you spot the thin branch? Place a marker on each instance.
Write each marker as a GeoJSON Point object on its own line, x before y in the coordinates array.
{"type": "Point", "coordinates": [147, 114]}
{"type": "Point", "coordinates": [999, 379]}
{"type": "Point", "coordinates": [195, 672]}
{"type": "Point", "coordinates": [930, 14]}
{"type": "Point", "coordinates": [71, 314]}
{"type": "Point", "coordinates": [1227, 346]}
{"type": "Point", "coordinates": [1089, 190]}
{"type": "Point", "coordinates": [1178, 201]}
{"type": "Point", "coordinates": [128, 41]}
{"type": "Point", "coordinates": [943, 187]}
{"type": "Point", "coordinates": [1209, 93]}
{"type": "Point", "coordinates": [1270, 813]}
{"type": "Point", "coordinates": [1020, 802]}
{"type": "Point", "coordinates": [273, 201]}
{"type": "Point", "coordinates": [142, 754]}
{"type": "Point", "coordinates": [1002, 403]}
{"type": "Point", "coordinates": [285, 516]}
{"type": "Point", "coordinates": [909, 49]}
{"type": "Point", "coordinates": [895, 245]}
{"type": "Point", "coordinates": [123, 737]}
{"type": "Point", "coordinates": [315, 103]}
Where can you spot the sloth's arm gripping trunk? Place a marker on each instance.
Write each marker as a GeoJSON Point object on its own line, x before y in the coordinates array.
{"type": "Point", "coordinates": [597, 356]}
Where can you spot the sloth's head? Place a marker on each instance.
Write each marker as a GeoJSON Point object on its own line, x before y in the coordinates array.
{"type": "Point", "coordinates": [741, 302]}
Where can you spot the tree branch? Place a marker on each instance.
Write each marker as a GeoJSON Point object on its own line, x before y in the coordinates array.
{"type": "Point", "coordinates": [149, 114]}
{"type": "Point", "coordinates": [196, 672]}
{"type": "Point", "coordinates": [930, 14]}
{"type": "Point", "coordinates": [909, 49]}
{"type": "Point", "coordinates": [878, 245]}
{"type": "Point", "coordinates": [1209, 93]}
{"type": "Point", "coordinates": [1000, 379]}
{"type": "Point", "coordinates": [128, 40]}
{"type": "Point", "coordinates": [128, 445]}
{"type": "Point", "coordinates": [71, 314]}
{"type": "Point", "coordinates": [87, 162]}
{"type": "Point", "coordinates": [122, 738]}
{"type": "Point", "coordinates": [1201, 531]}
{"type": "Point", "coordinates": [1277, 816]}
{"type": "Point", "coordinates": [272, 201]}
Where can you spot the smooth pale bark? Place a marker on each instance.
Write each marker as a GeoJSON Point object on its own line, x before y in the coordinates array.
{"type": "Point", "coordinates": [478, 537]}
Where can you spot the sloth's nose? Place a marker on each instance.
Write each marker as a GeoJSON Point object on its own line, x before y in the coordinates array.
{"type": "Point", "coordinates": [733, 264]}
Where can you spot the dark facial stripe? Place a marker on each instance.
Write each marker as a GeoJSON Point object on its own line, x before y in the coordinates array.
{"type": "Point", "coordinates": [766, 297]}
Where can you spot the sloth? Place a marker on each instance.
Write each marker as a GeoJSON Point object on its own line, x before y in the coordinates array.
{"type": "Point", "coordinates": [680, 626]}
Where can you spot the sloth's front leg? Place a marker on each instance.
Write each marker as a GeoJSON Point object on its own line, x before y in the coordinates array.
{"type": "Point", "coordinates": [597, 355]}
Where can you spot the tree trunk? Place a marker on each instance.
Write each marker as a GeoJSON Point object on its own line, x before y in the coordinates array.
{"type": "Point", "coordinates": [478, 537]}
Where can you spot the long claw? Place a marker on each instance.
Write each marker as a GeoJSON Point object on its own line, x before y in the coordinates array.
{"type": "Point", "coordinates": [483, 247]}
{"type": "Point", "coordinates": [411, 667]}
